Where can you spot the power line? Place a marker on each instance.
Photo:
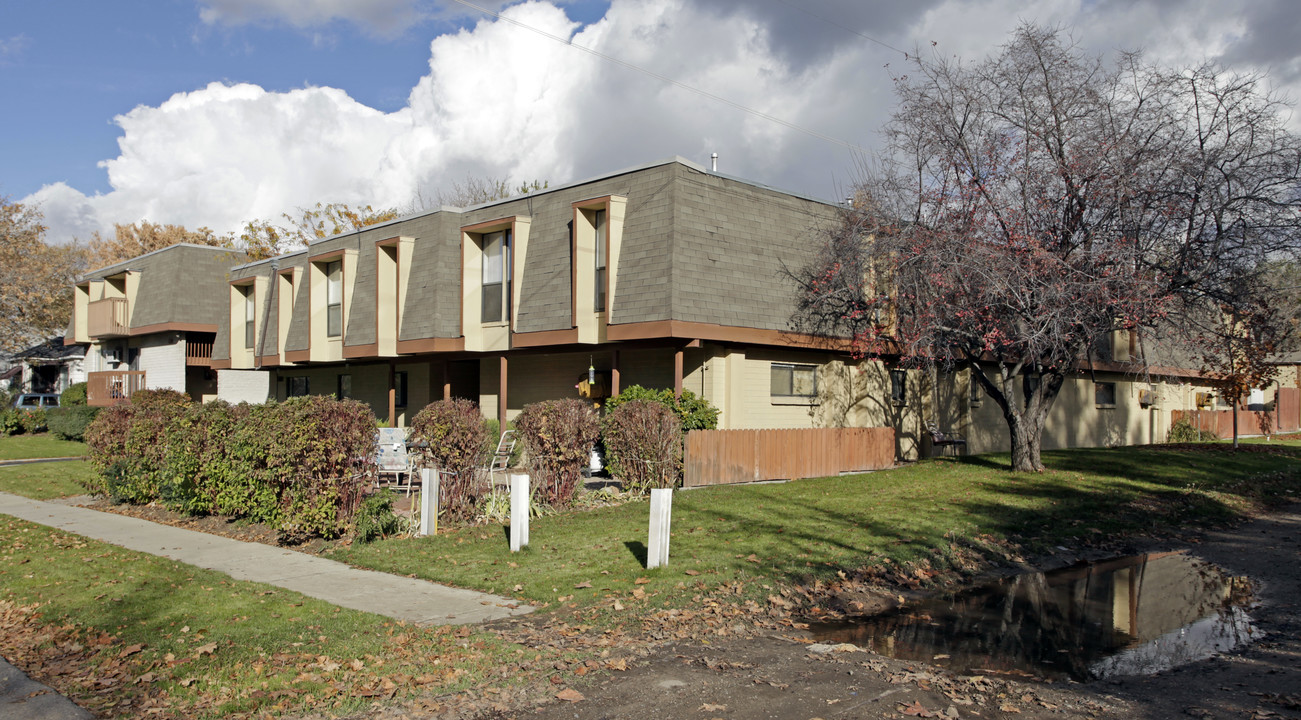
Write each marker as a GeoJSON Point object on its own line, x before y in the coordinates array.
{"type": "Point", "coordinates": [666, 79]}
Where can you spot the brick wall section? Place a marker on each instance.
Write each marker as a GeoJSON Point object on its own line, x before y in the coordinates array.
{"type": "Point", "coordinates": [730, 240]}
{"type": "Point", "coordinates": [251, 386]}
{"type": "Point", "coordinates": [162, 357]}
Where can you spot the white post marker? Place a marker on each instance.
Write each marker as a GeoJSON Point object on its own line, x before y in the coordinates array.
{"type": "Point", "coordinates": [661, 513]}
{"type": "Point", "coordinates": [519, 512]}
{"type": "Point", "coordinates": [428, 502]}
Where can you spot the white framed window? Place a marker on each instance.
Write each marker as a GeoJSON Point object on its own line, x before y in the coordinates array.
{"type": "Point", "coordinates": [250, 317]}
{"type": "Point", "coordinates": [496, 299]}
{"type": "Point", "coordinates": [598, 222]}
{"type": "Point", "coordinates": [788, 380]}
{"type": "Point", "coordinates": [334, 298]}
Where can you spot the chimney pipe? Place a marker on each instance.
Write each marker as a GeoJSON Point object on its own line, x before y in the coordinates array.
{"type": "Point", "coordinates": [713, 164]}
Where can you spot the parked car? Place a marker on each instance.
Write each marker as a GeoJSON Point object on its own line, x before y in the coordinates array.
{"type": "Point", "coordinates": [37, 401]}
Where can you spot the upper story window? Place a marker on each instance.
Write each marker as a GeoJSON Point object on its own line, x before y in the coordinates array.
{"type": "Point", "coordinates": [250, 316]}
{"type": "Point", "coordinates": [598, 222]}
{"type": "Point", "coordinates": [334, 298]}
{"type": "Point", "coordinates": [496, 303]}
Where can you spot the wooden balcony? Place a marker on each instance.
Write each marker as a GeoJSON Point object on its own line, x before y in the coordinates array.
{"type": "Point", "coordinates": [198, 354]}
{"type": "Point", "coordinates": [107, 318]}
{"type": "Point", "coordinates": [113, 387]}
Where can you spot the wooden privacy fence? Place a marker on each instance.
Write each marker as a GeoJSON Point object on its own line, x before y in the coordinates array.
{"type": "Point", "coordinates": [1285, 418]}
{"type": "Point", "coordinates": [722, 457]}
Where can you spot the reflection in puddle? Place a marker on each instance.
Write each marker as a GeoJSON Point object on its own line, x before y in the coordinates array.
{"type": "Point", "coordinates": [1130, 616]}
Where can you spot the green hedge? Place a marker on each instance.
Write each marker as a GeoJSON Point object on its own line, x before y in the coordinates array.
{"type": "Point", "coordinates": [694, 412]}
{"type": "Point", "coordinates": [70, 422]}
{"type": "Point", "coordinates": [300, 465]}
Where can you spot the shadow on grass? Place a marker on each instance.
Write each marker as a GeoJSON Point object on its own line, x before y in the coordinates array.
{"type": "Point", "coordinates": [638, 550]}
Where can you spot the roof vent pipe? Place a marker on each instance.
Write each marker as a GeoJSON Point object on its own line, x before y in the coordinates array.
{"type": "Point", "coordinates": [713, 162]}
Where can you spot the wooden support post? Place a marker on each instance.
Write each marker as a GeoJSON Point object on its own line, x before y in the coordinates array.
{"type": "Point", "coordinates": [661, 515]}
{"type": "Point", "coordinates": [501, 396]}
{"type": "Point", "coordinates": [519, 512]}
{"type": "Point", "coordinates": [447, 380]}
{"type": "Point", "coordinates": [677, 372]}
{"type": "Point", "coordinates": [614, 374]}
{"type": "Point", "coordinates": [392, 394]}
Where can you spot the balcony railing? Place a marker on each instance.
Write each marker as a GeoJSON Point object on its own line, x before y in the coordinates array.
{"type": "Point", "coordinates": [198, 354]}
{"type": "Point", "coordinates": [107, 318]}
{"type": "Point", "coordinates": [113, 387]}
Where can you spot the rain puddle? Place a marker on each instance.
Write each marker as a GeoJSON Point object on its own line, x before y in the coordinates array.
{"type": "Point", "coordinates": [1130, 616]}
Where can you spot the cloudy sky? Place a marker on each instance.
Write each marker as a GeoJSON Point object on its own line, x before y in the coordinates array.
{"type": "Point", "coordinates": [215, 112]}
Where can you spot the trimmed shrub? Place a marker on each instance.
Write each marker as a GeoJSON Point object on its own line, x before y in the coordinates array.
{"type": "Point", "coordinates": [694, 412]}
{"type": "Point", "coordinates": [74, 396]}
{"type": "Point", "coordinates": [558, 437]}
{"type": "Point", "coordinates": [375, 519]}
{"type": "Point", "coordinates": [70, 422]}
{"type": "Point", "coordinates": [1183, 431]}
{"type": "Point", "coordinates": [457, 439]}
{"type": "Point", "coordinates": [643, 445]}
{"type": "Point", "coordinates": [10, 422]}
{"type": "Point", "coordinates": [138, 445]}
{"type": "Point", "coordinates": [197, 449]}
{"type": "Point", "coordinates": [32, 421]}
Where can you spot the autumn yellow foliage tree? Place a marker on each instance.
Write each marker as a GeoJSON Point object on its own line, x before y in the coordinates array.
{"type": "Point", "coordinates": [134, 240]}
{"type": "Point", "coordinates": [35, 279]}
{"type": "Point", "coordinates": [264, 238]}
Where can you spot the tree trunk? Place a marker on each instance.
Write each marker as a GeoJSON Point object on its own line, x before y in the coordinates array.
{"type": "Point", "coordinates": [1027, 440]}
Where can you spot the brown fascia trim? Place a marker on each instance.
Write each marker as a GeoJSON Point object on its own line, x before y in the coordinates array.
{"type": "Point", "coordinates": [298, 356]}
{"type": "Point", "coordinates": [544, 337]}
{"type": "Point", "coordinates": [220, 365]}
{"type": "Point", "coordinates": [492, 225]}
{"type": "Point", "coordinates": [430, 345]}
{"type": "Point", "coordinates": [172, 327]}
{"type": "Point", "coordinates": [592, 203]}
{"type": "Point", "coordinates": [269, 361]}
{"type": "Point", "coordinates": [722, 333]}
{"type": "Point", "coordinates": [361, 351]}
{"type": "Point", "coordinates": [390, 242]}
{"type": "Point", "coordinates": [326, 256]}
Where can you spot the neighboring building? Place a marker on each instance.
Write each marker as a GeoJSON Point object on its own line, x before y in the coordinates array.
{"type": "Point", "coordinates": [664, 275]}
{"type": "Point", "coordinates": [49, 367]}
{"type": "Point", "coordinates": [150, 322]}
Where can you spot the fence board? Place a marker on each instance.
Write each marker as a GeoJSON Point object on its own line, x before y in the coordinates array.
{"type": "Point", "coordinates": [1288, 407]}
{"type": "Point", "coordinates": [723, 457]}
{"type": "Point", "coordinates": [1220, 422]}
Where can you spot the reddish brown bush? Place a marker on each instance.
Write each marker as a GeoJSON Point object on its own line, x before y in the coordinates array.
{"type": "Point", "coordinates": [643, 444]}
{"type": "Point", "coordinates": [558, 437]}
{"type": "Point", "coordinates": [457, 440]}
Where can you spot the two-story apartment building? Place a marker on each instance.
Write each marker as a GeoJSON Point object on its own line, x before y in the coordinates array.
{"type": "Point", "coordinates": [664, 275]}
{"type": "Point", "coordinates": [150, 322]}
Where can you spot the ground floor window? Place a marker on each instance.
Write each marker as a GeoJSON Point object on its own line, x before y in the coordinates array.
{"type": "Point", "coordinates": [343, 389]}
{"type": "Point", "coordinates": [400, 389]}
{"type": "Point", "coordinates": [899, 387]}
{"type": "Point", "coordinates": [1104, 394]}
{"type": "Point", "coordinates": [296, 386]}
{"type": "Point", "coordinates": [788, 380]}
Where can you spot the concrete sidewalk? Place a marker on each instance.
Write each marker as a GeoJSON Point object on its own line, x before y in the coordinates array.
{"type": "Point", "coordinates": [401, 598]}
{"type": "Point", "coordinates": [22, 698]}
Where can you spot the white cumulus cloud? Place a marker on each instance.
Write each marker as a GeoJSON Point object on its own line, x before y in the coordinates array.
{"type": "Point", "coordinates": [500, 100]}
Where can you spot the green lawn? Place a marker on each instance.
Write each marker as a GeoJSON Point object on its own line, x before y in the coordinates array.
{"type": "Point", "coordinates": [163, 634]}
{"type": "Point", "coordinates": [22, 447]}
{"type": "Point", "coordinates": [936, 512]}
{"type": "Point", "coordinates": [45, 480]}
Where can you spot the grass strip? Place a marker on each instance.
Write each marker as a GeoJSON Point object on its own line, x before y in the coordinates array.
{"type": "Point", "coordinates": [934, 513]}
{"type": "Point", "coordinates": [46, 480]}
{"type": "Point", "coordinates": [44, 445]}
{"type": "Point", "coordinates": [123, 633]}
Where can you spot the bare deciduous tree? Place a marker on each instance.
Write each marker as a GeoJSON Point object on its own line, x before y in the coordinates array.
{"type": "Point", "coordinates": [1033, 203]}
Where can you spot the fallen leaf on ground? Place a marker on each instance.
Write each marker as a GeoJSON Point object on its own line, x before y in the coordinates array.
{"type": "Point", "coordinates": [915, 709]}
{"type": "Point", "coordinates": [208, 649]}
{"type": "Point", "coordinates": [569, 695]}
{"type": "Point", "coordinates": [584, 584]}
{"type": "Point", "coordinates": [710, 707]}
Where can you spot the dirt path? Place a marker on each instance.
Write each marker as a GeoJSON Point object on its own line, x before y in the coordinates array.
{"type": "Point", "coordinates": [777, 676]}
